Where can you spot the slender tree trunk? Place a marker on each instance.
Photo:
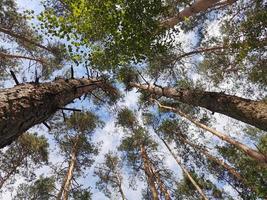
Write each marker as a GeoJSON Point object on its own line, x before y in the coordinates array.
{"type": "Point", "coordinates": [122, 193]}
{"type": "Point", "coordinates": [23, 39]}
{"type": "Point", "coordinates": [220, 162]}
{"type": "Point", "coordinates": [64, 191]}
{"type": "Point", "coordinates": [245, 110]}
{"type": "Point", "coordinates": [250, 152]}
{"type": "Point", "coordinates": [162, 187]}
{"type": "Point", "coordinates": [26, 105]}
{"type": "Point", "coordinates": [190, 11]}
{"type": "Point", "coordinates": [5, 55]}
{"type": "Point", "coordinates": [149, 174]}
{"type": "Point", "coordinates": [185, 170]}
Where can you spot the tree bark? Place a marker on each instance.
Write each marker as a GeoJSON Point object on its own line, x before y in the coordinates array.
{"type": "Point", "coordinates": [149, 174]}
{"type": "Point", "coordinates": [250, 152]}
{"type": "Point", "coordinates": [195, 8]}
{"type": "Point", "coordinates": [245, 110]}
{"type": "Point", "coordinates": [185, 170]}
{"type": "Point", "coordinates": [64, 191]}
{"type": "Point", "coordinates": [26, 105]}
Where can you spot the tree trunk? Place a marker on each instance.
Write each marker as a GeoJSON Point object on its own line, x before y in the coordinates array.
{"type": "Point", "coordinates": [245, 110]}
{"type": "Point", "coordinates": [190, 11]}
{"type": "Point", "coordinates": [220, 162]}
{"type": "Point", "coordinates": [64, 191]}
{"type": "Point", "coordinates": [122, 193]}
{"type": "Point", "coordinates": [185, 170]}
{"type": "Point", "coordinates": [149, 174]}
{"type": "Point", "coordinates": [162, 187]}
{"type": "Point", "coordinates": [26, 105]}
{"type": "Point", "coordinates": [250, 152]}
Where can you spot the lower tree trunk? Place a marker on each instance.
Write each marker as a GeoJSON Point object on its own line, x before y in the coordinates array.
{"type": "Point", "coordinates": [185, 170]}
{"type": "Point", "coordinates": [148, 172]}
{"type": "Point", "coordinates": [122, 193]}
{"type": "Point", "coordinates": [64, 191]}
{"type": "Point", "coordinates": [26, 105]}
{"type": "Point", "coordinates": [250, 152]}
{"type": "Point", "coordinates": [245, 110]}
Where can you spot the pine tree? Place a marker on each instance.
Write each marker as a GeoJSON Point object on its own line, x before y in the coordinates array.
{"type": "Point", "coordinates": [141, 154]}
{"type": "Point", "coordinates": [74, 139]}
{"type": "Point", "coordinates": [40, 102]}
{"type": "Point", "coordinates": [23, 157]}
{"type": "Point", "coordinates": [109, 174]}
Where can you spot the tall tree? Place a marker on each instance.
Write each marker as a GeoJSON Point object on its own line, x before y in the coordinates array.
{"type": "Point", "coordinates": [74, 139]}
{"type": "Point", "coordinates": [23, 157]}
{"type": "Point", "coordinates": [26, 105]}
{"type": "Point", "coordinates": [28, 45]}
{"type": "Point", "coordinates": [109, 174]}
{"type": "Point", "coordinates": [141, 153]}
{"type": "Point", "coordinates": [252, 153]}
{"type": "Point", "coordinates": [41, 189]}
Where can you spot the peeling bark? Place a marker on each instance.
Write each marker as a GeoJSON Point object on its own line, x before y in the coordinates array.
{"type": "Point", "coordinates": [26, 105]}
{"type": "Point", "coordinates": [245, 110]}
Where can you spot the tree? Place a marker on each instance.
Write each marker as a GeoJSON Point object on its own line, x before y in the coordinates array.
{"type": "Point", "coordinates": [41, 189]}
{"type": "Point", "coordinates": [141, 154]}
{"type": "Point", "coordinates": [74, 139]}
{"type": "Point", "coordinates": [252, 153]}
{"type": "Point", "coordinates": [24, 156]}
{"type": "Point", "coordinates": [248, 111]}
{"type": "Point", "coordinates": [14, 29]}
{"type": "Point", "coordinates": [40, 101]}
{"type": "Point", "coordinates": [110, 175]}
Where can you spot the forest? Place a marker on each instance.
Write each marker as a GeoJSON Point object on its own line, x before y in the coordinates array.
{"type": "Point", "coordinates": [133, 99]}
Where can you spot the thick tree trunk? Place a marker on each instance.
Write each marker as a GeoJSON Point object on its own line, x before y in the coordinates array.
{"type": "Point", "coordinates": [149, 174]}
{"type": "Point", "coordinates": [245, 110]}
{"type": "Point", "coordinates": [250, 152]}
{"type": "Point", "coordinates": [64, 191]}
{"type": "Point", "coordinates": [122, 193]}
{"type": "Point", "coordinates": [185, 170]}
{"type": "Point", "coordinates": [190, 11]}
{"type": "Point", "coordinates": [26, 105]}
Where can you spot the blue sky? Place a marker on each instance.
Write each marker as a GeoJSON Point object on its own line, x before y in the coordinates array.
{"type": "Point", "coordinates": [111, 135]}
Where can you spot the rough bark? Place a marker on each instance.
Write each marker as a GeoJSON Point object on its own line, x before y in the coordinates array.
{"type": "Point", "coordinates": [26, 105]}
{"type": "Point", "coordinates": [185, 170]}
{"type": "Point", "coordinates": [149, 174]}
{"type": "Point", "coordinates": [64, 191]}
{"type": "Point", "coordinates": [245, 110]}
{"type": "Point", "coordinates": [195, 8]}
{"type": "Point", "coordinates": [250, 152]}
